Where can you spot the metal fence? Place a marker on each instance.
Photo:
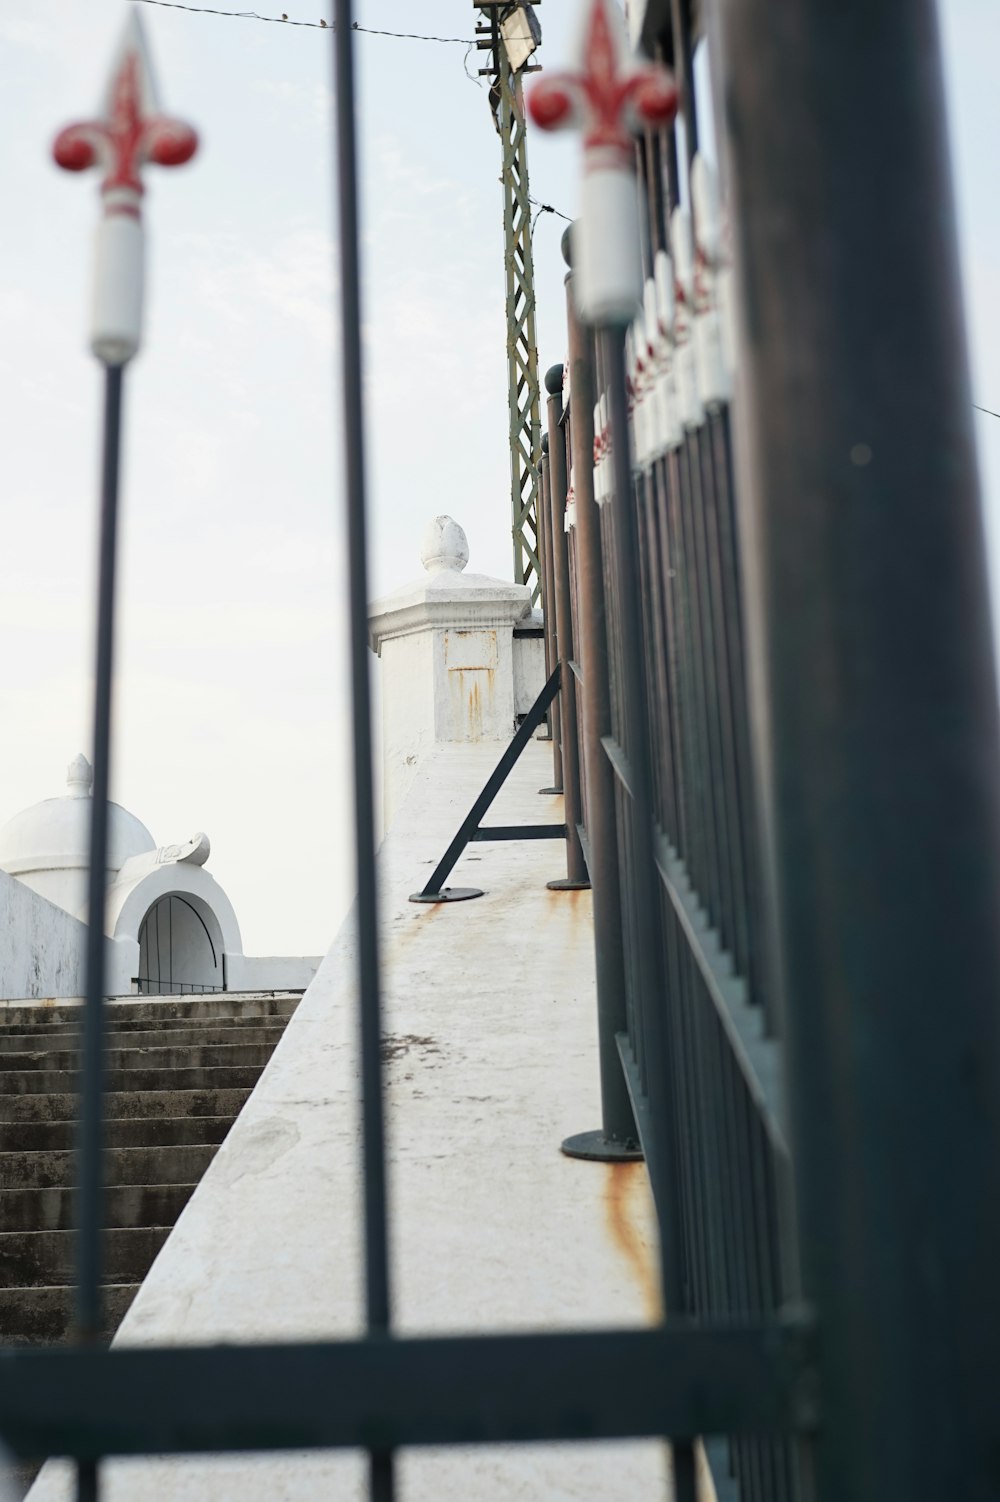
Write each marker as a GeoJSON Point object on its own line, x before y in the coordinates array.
{"type": "Point", "coordinates": [785, 764]}
{"type": "Point", "coordinates": [740, 1014]}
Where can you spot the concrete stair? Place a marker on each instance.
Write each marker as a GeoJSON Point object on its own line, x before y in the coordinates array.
{"type": "Point", "coordinates": [178, 1073]}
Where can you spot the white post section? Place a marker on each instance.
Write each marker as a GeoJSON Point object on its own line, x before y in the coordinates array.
{"type": "Point", "coordinates": [446, 647]}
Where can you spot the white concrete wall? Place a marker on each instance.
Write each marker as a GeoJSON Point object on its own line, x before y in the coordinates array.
{"type": "Point", "coordinates": [280, 972]}
{"type": "Point", "coordinates": [41, 946]}
{"type": "Point", "coordinates": [407, 715]}
{"type": "Point", "coordinates": [529, 670]}
{"type": "Point", "coordinates": [447, 660]}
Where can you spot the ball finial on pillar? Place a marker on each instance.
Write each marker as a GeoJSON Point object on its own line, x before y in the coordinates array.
{"type": "Point", "coordinates": [444, 545]}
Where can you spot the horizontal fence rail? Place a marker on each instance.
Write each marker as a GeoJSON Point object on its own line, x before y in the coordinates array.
{"type": "Point", "coordinates": [383, 1393]}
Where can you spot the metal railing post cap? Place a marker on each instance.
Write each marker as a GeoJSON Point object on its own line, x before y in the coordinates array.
{"type": "Point", "coordinates": [610, 94]}
{"type": "Point", "coordinates": [130, 132]}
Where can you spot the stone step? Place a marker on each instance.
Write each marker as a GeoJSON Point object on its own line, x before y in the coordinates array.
{"type": "Point", "coordinates": [211, 1056]}
{"type": "Point", "coordinates": [132, 1104]}
{"type": "Point", "coordinates": [129, 1131]}
{"type": "Point", "coordinates": [122, 1165]}
{"type": "Point", "coordinates": [63, 1082]}
{"type": "Point", "coordinates": [180, 1032]}
{"type": "Point", "coordinates": [155, 1009]}
{"type": "Point", "coordinates": [124, 1205]}
{"type": "Point", "coordinates": [42, 1316]}
{"type": "Point", "coordinates": [46, 1258]}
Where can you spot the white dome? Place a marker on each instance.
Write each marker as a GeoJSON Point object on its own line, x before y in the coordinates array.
{"type": "Point", "coordinates": [55, 835]}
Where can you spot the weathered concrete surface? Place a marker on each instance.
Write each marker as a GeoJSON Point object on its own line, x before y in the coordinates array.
{"type": "Point", "coordinates": [43, 947]}
{"type": "Point", "coordinates": [156, 1149]}
{"type": "Point", "coordinates": [127, 1104]}
{"type": "Point", "coordinates": [41, 1316]}
{"type": "Point", "coordinates": [128, 1131]}
{"type": "Point", "coordinates": [129, 1009]}
{"type": "Point", "coordinates": [176, 1033]}
{"type": "Point", "coordinates": [43, 1258]}
{"type": "Point", "coordinates": [63, 1081]}
{"type": "Point", "coordinates": [491, 1061]}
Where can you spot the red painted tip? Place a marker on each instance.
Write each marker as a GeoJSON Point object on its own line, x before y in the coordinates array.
{"type": "Point", "coordinates": [72, 151]}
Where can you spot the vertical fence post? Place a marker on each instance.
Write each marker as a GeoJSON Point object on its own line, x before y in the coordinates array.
{"type": "Point", "coordinates": [576, 868]}
{"type": "Point", "coordinates": [874, 708]}
{"type": "Point", "coordinates": [617, 1138]}
{"type": "Point", "coordinates": [132, 132]}
{"type": "Point", "coordinates": [549, 610]}
{"type": "Point", "coordinates": [378, 1302]}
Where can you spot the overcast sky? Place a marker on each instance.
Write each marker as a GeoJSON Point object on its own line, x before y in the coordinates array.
{"type": "Point", "coordinates": [232, 689]}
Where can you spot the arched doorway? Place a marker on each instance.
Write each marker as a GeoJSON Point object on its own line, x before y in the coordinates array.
{"type": "Point", "coordinates": [179, 955]}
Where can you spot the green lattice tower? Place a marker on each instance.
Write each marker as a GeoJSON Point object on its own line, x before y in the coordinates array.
{"type": "Point", "coordinates": [525, 428]}
{"type": "Point", "coordinates": [524, 415]}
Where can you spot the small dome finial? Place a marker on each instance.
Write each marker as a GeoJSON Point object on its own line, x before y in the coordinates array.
{"type": "Point", "coordinates": [79, 777]}
{"type": "Point", "coordinates": [444, 545]}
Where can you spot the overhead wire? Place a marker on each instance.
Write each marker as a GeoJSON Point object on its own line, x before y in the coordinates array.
{"type": "Point", "coordinates": [409, 36]}
{"type": "Point", "coordinates": [284, 20]}
{"type": "Point", "coordinates": [321, 25]}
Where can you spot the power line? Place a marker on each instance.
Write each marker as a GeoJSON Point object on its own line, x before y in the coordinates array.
{"type": "Point", "coordinates": [409, 36]}
{"type": "Point", "coordinates": [987, 410]}
{"type": "Point", "coordinates": [283, 20]}
{"type": "Point", "coordinates": [548, 208]}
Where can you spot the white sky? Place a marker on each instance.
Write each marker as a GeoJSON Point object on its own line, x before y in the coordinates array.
{"type": "Point", "coordinates": [232, 696]}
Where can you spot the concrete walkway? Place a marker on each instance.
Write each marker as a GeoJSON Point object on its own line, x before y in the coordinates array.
{"type": "Point", "coordinates": [491, 1057]}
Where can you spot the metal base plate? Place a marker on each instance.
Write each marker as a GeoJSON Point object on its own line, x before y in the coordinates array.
{"type": "Point", "coordinates": [556, 792]}
{"type": "Point", "coordinates": [565, 885]}
{"type": "Point", "coordinates": [447, 894]}
{"type": "Point", "coordinates": [596, 1148]}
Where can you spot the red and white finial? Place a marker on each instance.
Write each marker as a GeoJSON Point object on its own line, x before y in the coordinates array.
{"type": "Point", "coordinates": [609, 96]}
{"type": "Point", "coordinates": [129, 133]}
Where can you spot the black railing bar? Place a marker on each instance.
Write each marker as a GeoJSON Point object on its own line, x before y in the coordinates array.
{"type": "Point", "coordinates": [681, 1380]}
{"type": "Point", "coordinates": [584, 839]}
{"type": "Point", "coordinates": [619, 761]}
{"type": "Point", "coordinates": [577, 670]}
{"type": "Point", "coordinates": [641, 1110]}
{"type": "Point", "coordinates": [497, 778]}
{"type": "Point", "coordinates": [643, 898]}
{"type": "Point", "coordinates": [758, 1056]}
{"type": "Point", "coordinates": [90, 1195]}
{"type": "Point", "coordinates": [520, 832]}
{"type": "Point", "coordinates": [377, 1287]}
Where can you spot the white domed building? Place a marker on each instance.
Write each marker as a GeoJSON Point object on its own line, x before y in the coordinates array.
{"type": "Point", "coordinates": [171, 928]}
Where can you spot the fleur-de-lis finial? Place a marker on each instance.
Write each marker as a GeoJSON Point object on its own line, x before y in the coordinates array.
{"type": "Point", "coordinates": [130, 132]}
{"type": "Point", "coordinates": [609, 96]}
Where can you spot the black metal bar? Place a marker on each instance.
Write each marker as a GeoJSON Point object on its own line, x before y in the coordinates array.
{"type": "Point", "coordinates": [90, 1194]}
{"type": "Point", "coordinates": [874, 711]}
{"type": "Point", "coordinates": [549, 609]}
{"type": "Point", "coordinates": [377, 1285]}
{"type": "Point", "coordinates": [384, 1393]}
{"type": "Point", "coordinates": [680, 24]}
{"type": "Point", "coordinates": [643, 885]}
{"type": "Point", "coordinates": [502, 770]}
{"type": "Point", "coordinates": [618, 1126]}
{"type": "Point", "coordinates": [521, 832]}
{"type": "Point", "coordinates": [576, 868]}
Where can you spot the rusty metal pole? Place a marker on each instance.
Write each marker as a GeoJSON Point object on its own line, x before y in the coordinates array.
{"type": "Point", "coordinates": [576, 866]}
{"type": "Point", "coordinates": [549, 611]}
{"type": "Point", "coordinates": [617, 1138]}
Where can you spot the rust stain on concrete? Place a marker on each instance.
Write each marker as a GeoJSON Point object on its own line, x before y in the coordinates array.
{"type": "Point", "coordinates": [624, 1189]}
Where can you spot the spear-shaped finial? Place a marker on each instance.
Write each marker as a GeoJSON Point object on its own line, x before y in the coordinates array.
{"type": "Point", "coordinates": [129, 132]}
{"type": "Point", "coordinates": [609, 95]}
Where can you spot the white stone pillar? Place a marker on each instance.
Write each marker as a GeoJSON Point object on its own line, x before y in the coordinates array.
{"type": "Point", "coordinates": [446, 649]}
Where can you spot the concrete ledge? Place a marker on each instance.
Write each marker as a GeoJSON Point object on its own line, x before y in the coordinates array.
{"type": "Point", "coordinates": [490, 1051]}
